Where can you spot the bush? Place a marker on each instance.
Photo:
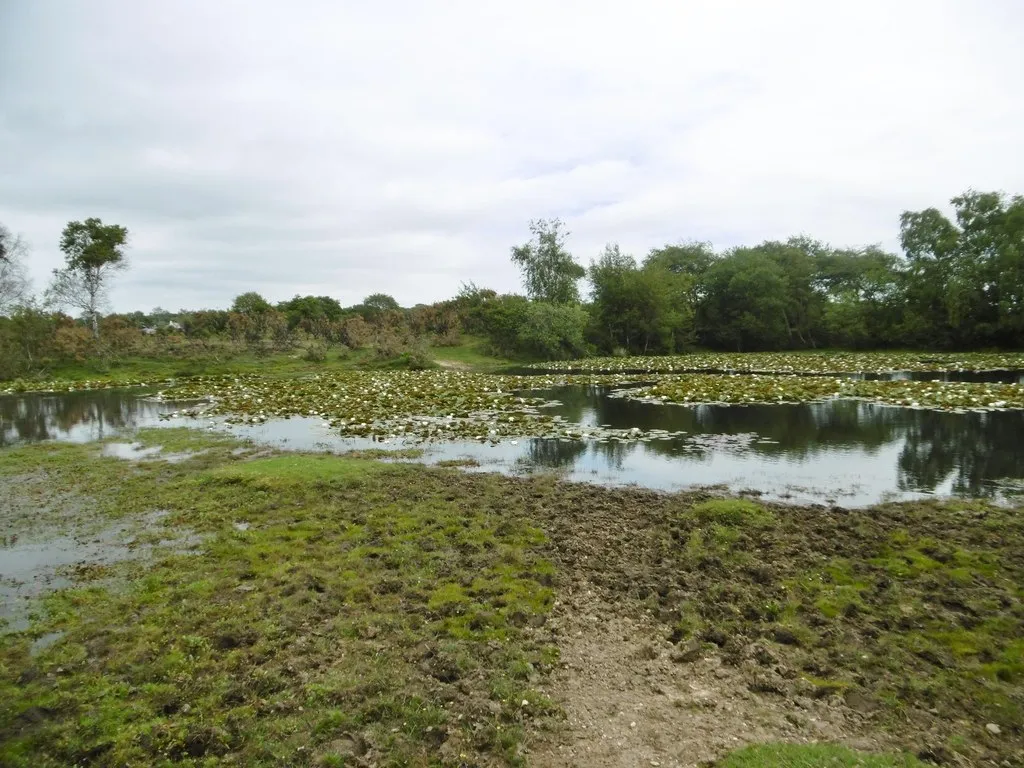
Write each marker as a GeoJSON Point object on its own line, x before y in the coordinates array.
{"type": "Point", "coordinates": [73, 343]}
{"type": "Point", "coordinates": [315, 352]}
{"type": "Point", "coordinates": [356, 333]}
{"type": "Point", "coordinates": [518, 327]}
{"type": "Point", "coordinates": [553, 331]}
{"type": "Point", "coordinates": [450, 338]}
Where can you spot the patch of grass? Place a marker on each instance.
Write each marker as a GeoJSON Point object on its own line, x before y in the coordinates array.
{"type": "Point", "coordinates": [184, 440]}
{"type": "Point", "coordinates": [812, 756]}
{"type": "Point", "coordinates": [298, 468]}
{"type": "Point", "coordinates": [467, 461]}
{"type": "Point", "coordinates": [471, 354]}
{"type": "Point", "coordinates": [732, 512]}
{"type": "Point", "coordinates": [386, 453]}
{"type": "Point", "coordinates": [358, 606]}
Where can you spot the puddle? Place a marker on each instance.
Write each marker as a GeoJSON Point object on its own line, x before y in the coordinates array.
{"type": "Point", "coordinates": [45, 641]}
{"type": "Point", "coordinates": [30, 568]}
{"type": "Point", "coordinates": [129, 451]}
{"type": "Point", "coordinates": [80, 416]}
{"type": "Point", "coordinates": [138, 452]}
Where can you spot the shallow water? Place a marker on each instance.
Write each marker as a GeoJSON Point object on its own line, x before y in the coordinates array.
{"type": "Point", "coordinates": [848, 452]}
{"type": "Point", "coordinates": [81, 416]}
{"type": "Point", "coordinates": [981, 377]}
{"type": "Point", "coordinates": [34, 566]}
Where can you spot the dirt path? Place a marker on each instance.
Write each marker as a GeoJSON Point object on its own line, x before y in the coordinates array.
{"type": "Point", "coordinates": [454, 365]}
{"type": "Point", "coordinates": [628, 703]}
{"type": "Point", "coordinates": [632, 697]}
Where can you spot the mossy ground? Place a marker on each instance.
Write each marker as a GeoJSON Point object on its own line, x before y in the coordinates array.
{"type": "Point", "coordinates": [357, 612]}
{"type": "Point", "coordinates": [910, 615]}
{"type": "Point", "coordinates": [345, 611]}
{"type": "Point", "coordinates": [812, 756]}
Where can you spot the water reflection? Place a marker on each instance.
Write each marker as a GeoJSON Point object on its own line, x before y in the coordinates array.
{"type": "Point", "coordinates": [75, 416]}
{"type": "Point", "coordinates": [846, 451]}
{"type": "Point", "coordinates": [980, 377]}
{"type": "Point", "coordinates": [962, 454]}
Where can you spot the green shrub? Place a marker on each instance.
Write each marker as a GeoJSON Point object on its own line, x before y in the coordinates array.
{"type": "Point", "coordinates": [519, 327]}
{"type": "Point", "coordinates": [316, 352]}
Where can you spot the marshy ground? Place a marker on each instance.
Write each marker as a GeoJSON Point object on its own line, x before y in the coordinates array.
{"type": "Point", "coordinates": [294, 609]}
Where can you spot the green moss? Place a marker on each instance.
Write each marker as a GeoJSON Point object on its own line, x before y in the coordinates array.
{"type": "Point", "coordinates": [184, 440]}
{"type": "Point", "coordinates": [300, 469]}
{"type": "Point", "coordinates": [812, 756]}
{"type": "Point", "coordinates": [732, 512]}
{"type": "Point", "coordinates": [448, 598]}
{"type": "Point", "coordinates": [354, 601]}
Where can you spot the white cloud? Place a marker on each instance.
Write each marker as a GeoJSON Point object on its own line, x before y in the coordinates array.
{"type": "Point", "coordinates": [349, 148]}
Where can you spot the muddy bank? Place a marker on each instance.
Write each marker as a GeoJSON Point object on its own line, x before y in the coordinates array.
{"type": "Point", "coordinates": [900, 625]}
{"type": "Point", "coordinates": [353, 612]}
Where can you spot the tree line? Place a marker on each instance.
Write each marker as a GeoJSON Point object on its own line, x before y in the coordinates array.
{"type": "Point", "coordinates": [958, 284]}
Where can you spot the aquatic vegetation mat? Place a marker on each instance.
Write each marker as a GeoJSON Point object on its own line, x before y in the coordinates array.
{"type": "Point", "coordinates": [409, 405]}
{"type": "Point", "coordinates": [19, 386]}
{"type": "Point", "coordinates": [796, 362]}
{"type": "Point", "coordinates": [696, 388]}
{"type": "Point", "coordinates": [456, 405]}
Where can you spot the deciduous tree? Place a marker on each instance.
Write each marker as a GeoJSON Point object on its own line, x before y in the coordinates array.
{"type": "Point", "coordinates": [549, 271]}
{"type": "Point", "coordinates": [93, 253]}
{"type": "Point", "coordinates": [14, 282]}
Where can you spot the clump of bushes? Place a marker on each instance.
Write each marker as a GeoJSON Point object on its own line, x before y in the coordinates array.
{"type": "Point", "coordinates": [315, 352]}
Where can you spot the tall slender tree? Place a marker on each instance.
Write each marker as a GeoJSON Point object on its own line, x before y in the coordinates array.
{"type": "Point", "coordinates": [549, 270]}
{"type": "Point", "coordinates": [13, 276]}
{"type": "Point", "coordinates": [93, 253]}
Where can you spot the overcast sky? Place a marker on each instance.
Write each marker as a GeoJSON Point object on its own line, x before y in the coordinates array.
{"type": "Point", "coordinates": [345, 148]}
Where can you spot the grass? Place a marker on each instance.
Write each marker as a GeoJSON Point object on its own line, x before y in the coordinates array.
{"type": "Point", "coordinates": [812, 756]}
{"type": "Point", "coordinates": [472, 354]}
{"type": "Point", "coordinates": [732, 513]}
{"type": "Point", "coordinates": [356, 610]}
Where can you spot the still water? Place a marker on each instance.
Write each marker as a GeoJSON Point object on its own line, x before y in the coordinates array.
{"type": "Point", "coordinates": [846, 452]}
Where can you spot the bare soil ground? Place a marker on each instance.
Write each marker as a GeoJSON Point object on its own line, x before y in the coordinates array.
{"type": "Point", "coordinates": [637, 694]}
{"type": "Point", "coordinates": [628, 703]}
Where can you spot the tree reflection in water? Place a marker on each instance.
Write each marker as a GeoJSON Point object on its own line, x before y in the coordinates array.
{"type": "Point", "coordinates": [90, 415]}
{"type": "Point", "coordinates": [971, 450]}
{"type": "Point", "coordinates": [966, 454]}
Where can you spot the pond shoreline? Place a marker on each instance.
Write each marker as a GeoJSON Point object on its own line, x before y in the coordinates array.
{"type": "Point", "coordinates": [772, 622]}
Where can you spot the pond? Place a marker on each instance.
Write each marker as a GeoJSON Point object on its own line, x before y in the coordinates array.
{"type": "Point", "coordinates": [1012, 376]}
{"type": "Point", "coordinates": [847, 452]}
